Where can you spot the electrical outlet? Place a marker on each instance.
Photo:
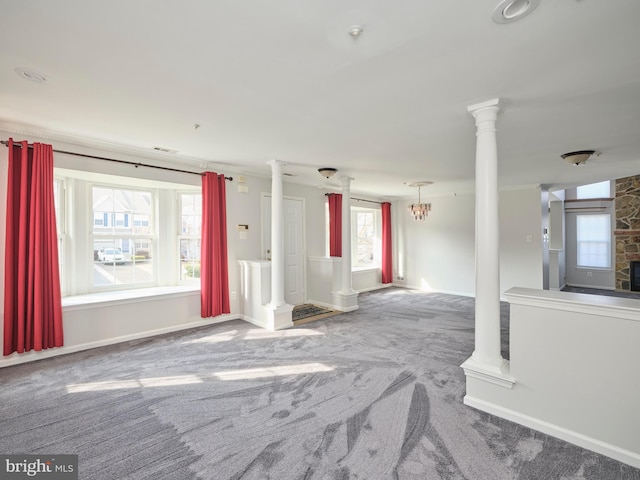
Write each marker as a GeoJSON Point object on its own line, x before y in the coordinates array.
{"type": "Point", "coordinates": [233, 295]}
{"type": "Point", "coordinates": [589, 274]}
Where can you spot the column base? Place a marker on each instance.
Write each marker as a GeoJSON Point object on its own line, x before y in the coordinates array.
{"type": "Point", "coordinates": [345, 301]}
{"type": "Point", "coordinates": [280, 317]}
{"type": "Point", "coordinates": [496, 374]}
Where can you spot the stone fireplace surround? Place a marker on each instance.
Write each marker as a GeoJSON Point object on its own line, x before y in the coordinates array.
{"type": "Point", "coordinates": [627, 230]}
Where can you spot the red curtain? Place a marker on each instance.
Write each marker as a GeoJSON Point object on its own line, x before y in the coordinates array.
{"type": "Point", "coordinates": [387, 265]}
{"type": "Point", "coordinates": [335, 224]}
{"type": "Point", "coordinates": [32, 299]}
{"type": "Point", "coordinates": [214, 269]}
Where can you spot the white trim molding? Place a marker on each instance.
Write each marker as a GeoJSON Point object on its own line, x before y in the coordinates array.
{"type": "Point", "coordinates": [593, 444]}
{"type": "Point", "coordinates": [497, 375]}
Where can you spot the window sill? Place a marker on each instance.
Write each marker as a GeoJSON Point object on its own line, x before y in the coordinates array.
{"type": "Point", "coordinates": [364, 269]}
{"type": "Point", "coordinates": [91, 300]}
{"type": "Point", "coordinates": [595, 269]}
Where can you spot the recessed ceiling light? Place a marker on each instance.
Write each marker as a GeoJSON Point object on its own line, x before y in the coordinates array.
{"type": "Point", "coordinates": [31, 75]}
{"type": "Point", "coordinates": [511, 10]}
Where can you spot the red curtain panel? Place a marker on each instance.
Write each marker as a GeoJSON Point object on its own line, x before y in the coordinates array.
{"type": "Point", "coordinates": [387, 264]}
{"type": "Point", "coordinates": [214, 269]}
{"type": "Point", "coordinates": [32, 299]}
{"type": "Point", "coordinates": [335, 224]}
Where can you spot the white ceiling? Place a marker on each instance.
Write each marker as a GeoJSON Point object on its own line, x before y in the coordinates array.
{"type": "Point", "coordinates": [283, 79]}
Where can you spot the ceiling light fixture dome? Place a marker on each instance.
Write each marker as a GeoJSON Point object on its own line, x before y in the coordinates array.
{"type": "Point", "coordinates": [578, 158]}
{"type": "Point", "coordinates": [327, 172]}
{"type": "Point", "coordinates": [512, 10]}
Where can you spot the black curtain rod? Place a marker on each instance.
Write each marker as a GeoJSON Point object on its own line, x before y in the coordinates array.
{"type": "Point", "coordinates": [135, 164]}
{"type": "Point", "coordinates": [358, 199]}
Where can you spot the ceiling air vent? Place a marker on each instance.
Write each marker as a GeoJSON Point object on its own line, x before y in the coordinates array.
{"type": "Point", "coordinates": [165, 150]}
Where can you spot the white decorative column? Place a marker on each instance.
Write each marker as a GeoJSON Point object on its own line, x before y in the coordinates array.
{"type": "Point", "coordinates": [279, 310]}
{"type": "Point", "coordinates": [346, 299]}
{"type": "Point", "coordinates": [487, 362]}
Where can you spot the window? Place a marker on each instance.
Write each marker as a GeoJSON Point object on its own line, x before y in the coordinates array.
{"type": "Point", "coordinates": [594, 190]}
{"type": "Point", "coordinates": [58, 202]}
{"type": "Point", "coordinates": [190, 235]}
{"type": "Point", "coordinates": [122, 249]}
{"type": "Point", "coordinates": [593, 233]}
{"type": "Point", "coordinates": [365, 237]}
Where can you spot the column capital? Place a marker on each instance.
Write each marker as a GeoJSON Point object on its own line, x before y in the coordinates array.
{"type": "Point", "coordinates": [276, 165]}
{"type": "Point", "coordinates": [485, 109]}
{"type": "Point", "coordinates": [345, 180]}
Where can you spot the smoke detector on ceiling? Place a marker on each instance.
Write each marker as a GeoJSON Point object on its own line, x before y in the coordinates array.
{"type": "Point", "coordinates": [355, 31]}
{"type": "Point", "coordinates": [578, 158]}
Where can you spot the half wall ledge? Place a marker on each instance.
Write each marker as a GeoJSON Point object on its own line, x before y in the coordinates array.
{"type": "Point", "coordinates": [575, 358]}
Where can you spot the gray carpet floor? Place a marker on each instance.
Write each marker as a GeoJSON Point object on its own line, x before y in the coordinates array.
{"type": "Point", "coordinates": [373, 394]}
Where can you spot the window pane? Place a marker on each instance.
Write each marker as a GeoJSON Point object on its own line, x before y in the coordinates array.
{"type": "Point", "coordinates": [122, 261]}
{"type": "Point", "coordinates": [58, 203]}
{"type": "Point", "coordinates": [594, 240]}
{"type": "Point", "coordinates": [189, 258]}
{"type": "Point", "coordinates": [364, 238]}
{"type": "Point", "coordinates": [191, 214]}
{"type": "Point", "coordinates": [57, 192]}
{"type": "Point", "coordinates": [594, 190]}
{"type": "Point", "coordinates": [119, 211]}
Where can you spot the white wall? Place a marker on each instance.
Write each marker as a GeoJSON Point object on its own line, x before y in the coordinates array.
{"type": "Point", "coordinates": [439, 253]}
{"type": "Point", "coordinates": [521, 239]}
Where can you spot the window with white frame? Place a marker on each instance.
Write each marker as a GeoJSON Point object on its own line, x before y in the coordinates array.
{"type": "Point", "coordinates": [122, 237]}
{"type": "Point", "coordinates": [593, 234]}
{"type": "Point", "coordinates": [594, 190]}
{"type": "Point", "coordinates": [189, 238]}
{"type": "Point", "coordinates": [365, 237]}
{"type": "Point", "coordinates": [58, 202]}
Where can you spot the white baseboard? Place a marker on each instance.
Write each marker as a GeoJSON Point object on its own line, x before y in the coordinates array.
{"type": "Point", "coordinates": [617, 453]}
{"type": "Point", "coordinates": [32, 356]}
{"type": "Point", "coordinates": [254, 321]}
{"type": "Point", "coordinates": [375, 287]}
{"type": "Point", "coordinates": [447, 292]}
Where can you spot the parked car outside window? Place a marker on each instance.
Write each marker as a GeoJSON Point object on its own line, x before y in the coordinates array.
{"type": "Point", "coordinates": [111, 255]}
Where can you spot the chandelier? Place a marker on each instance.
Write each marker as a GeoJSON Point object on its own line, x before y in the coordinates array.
{"type": "Point", "coordinates": [419, 211]}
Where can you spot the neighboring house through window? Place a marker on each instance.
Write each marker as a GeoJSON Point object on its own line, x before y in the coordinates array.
{"type": "Point", "coordinates": [190, 235]}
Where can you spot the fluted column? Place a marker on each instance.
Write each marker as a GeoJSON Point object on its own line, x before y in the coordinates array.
{"type": "Point", "coordinates": [346, 236]}
{"type": "Point", "coordinates": [277, 235]}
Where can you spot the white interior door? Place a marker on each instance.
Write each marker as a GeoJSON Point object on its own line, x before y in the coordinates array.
{"type": "Point", "coordinates": [293, 246]}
